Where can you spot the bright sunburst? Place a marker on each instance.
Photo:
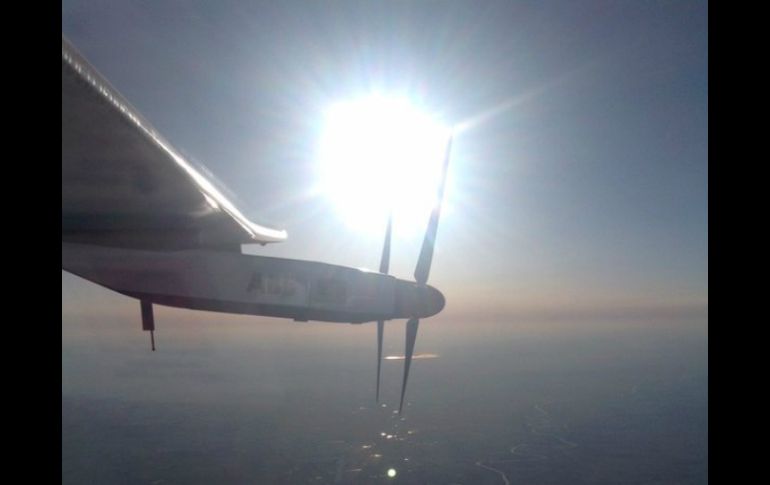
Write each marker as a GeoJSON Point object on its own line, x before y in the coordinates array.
{"type": "Point", "coordinates": [380, 154]}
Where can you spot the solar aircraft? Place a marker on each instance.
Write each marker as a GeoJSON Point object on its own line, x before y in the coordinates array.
{"type": "Point", "coordinates": [142, 220]}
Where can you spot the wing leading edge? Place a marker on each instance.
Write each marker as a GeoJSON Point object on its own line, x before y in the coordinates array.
{"type": "Point", "coordinates": [124, 185]}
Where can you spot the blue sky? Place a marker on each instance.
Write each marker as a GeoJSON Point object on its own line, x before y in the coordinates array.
{"type": "Point", "coordinates": [588, 193]}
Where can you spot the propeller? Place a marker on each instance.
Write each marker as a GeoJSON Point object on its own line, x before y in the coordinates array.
{"type": "Point", "coordinates": [384, 266]}
{"type": "Point", "coordinates": [422, 270]}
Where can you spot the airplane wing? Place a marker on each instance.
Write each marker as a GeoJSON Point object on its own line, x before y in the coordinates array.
{"type": "Point", "coordinates": [123, 185]}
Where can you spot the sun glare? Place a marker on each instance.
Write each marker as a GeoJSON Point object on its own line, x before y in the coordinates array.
{"type": "Point", "coordinates": [381, 154]}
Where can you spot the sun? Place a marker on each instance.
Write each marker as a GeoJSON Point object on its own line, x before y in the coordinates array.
{"type": "Point", "coordinates": [381, 154]}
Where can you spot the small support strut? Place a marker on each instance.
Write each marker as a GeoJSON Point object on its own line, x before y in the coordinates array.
{"type": "Point", "coordinates": [148, 321]}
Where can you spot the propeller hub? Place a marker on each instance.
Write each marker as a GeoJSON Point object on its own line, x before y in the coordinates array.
{"type": "Point", "coordinates": [417, 301]}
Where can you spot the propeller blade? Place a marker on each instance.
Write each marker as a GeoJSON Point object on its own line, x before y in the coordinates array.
{"type": "Point", "coordinates": [411, 337]}
{"type": "Point", "coordinates": [384, 266]}
{"type": "Point", "coordinates": [380, 331]}
{"type": "Point", "coordinates": [385, 260]}
{"type": "Point", "coordinates": [422, 270]}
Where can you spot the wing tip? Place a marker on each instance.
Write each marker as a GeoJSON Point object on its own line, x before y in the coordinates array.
{"type": "Point", "coordinates": [266, 235]}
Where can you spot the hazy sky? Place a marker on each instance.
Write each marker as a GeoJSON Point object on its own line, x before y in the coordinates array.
{"type": "Point", "coordinates": [586, 191]}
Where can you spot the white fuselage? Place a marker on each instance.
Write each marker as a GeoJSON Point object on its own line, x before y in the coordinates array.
{"type": "Point", "coordinates": [238, 283]}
